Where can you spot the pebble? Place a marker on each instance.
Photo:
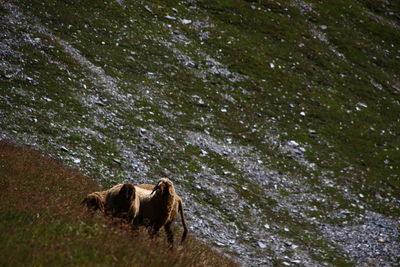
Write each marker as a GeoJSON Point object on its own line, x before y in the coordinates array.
{"type": "Point", "coordinates": [261, 244]}
{"type": "Point", "coordinates": [203, 153]}
{"type": "Point", "coordinates": [186, 21]}
{"type": "Point", "coordinates": [148, 9]}
{"type": "Point", "coordinates": [169, 17]}
{"type": "Point", "coordinates": [293, 143]}
{"type": "Point", "coordinates": [220, 244]}
{"type": "Point", "coordinates": [117, 161]}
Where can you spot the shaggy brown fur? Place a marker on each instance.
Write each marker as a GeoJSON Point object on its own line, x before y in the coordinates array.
{"type": "Point", "coordinates": [159, 206]}
{"type": "Point", "coordinates": [118, 201]}
{"type": "Point", "coordinates": [153, 206]}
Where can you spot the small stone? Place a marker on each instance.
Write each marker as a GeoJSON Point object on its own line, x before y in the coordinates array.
{"type": "Point", "coordinates": [148, 9]}
{"type": "Point", "coordinates": [203, 153]}
{"type": "Point", "coordinates": [286, 229]}
{"type": "Point", "coordinates": [381, 240]}
{"type": "Point", "coordinates": [169, 17]}
{"type": "Point", "coordinates": [303, 114]}
{"type": "Point", "coordinates": [323, 27]}
{"type": "Point", "coordinates": [266, 226]}
{"type": "Point", "coordinates": [289, 244]}
{"type": "Point", "coordinates": [272, 65]}
{"type": "Point", "coordinates": [293, 143]}
{"type": "Point", "coordinates": [224, 110]}
{"type": "Point", "coordinates": [63, 148]}
{"type": "Point", "coordinates": [186, 21]}
{"type": "Point", "coordinates": [362, 105]}
{"type": "Point", "coordinates": [261, 244]}
{"type": "Point", "coordinates": [76, 160]}
{"type": "Point", "coordinates": [220, 244]}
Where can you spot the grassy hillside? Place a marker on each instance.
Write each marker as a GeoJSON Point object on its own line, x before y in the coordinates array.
{"type": "Point", "coordinates": [277, 120]}
{"type": "Point", "coordinates": [43, 223]}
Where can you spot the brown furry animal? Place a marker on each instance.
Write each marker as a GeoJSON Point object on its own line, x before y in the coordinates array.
{"type": "Point", "coordinates": [159, 206]}
{"type": "Point", "coordinates": [118, 201]}
{"type": "Point", "coordinates": [153, 206]}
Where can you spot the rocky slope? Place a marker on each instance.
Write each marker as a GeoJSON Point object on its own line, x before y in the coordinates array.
{"type": "Point", "coordinates": [277, 120]}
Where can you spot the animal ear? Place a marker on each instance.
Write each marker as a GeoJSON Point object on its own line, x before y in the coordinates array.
{"type": "Point", "coordinates": [127, 191]}
{"type": "Point", "coordinates": [155, 188]}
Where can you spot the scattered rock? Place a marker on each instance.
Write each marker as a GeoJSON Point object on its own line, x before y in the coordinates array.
{"type": "Point", "coordinates": [170, 17]}
{"type": "Point", "coordinates": [186, 21]}
{"type": "Point", "coordinates": [261, 244]}
{"type": "Point", "coordinates": [117, 161]}
{"type": "Point", "coordinates": [148, 9]}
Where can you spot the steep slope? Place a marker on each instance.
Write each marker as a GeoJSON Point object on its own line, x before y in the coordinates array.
{"type": "Point", "coordinates": [277, 120]}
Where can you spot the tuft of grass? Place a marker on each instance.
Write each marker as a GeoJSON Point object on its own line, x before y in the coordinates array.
{"type": "Point", "coordinates": [43, 223]}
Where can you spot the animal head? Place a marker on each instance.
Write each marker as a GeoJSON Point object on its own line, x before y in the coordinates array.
{"type": "Point", "coordinates": [164, 187]}
{"type": "Point", "coordinates": [124, 198]}
{"type": "Point", "coordinates": [127, 192]}
{"type": "Point", "coordinates": [93, 202]}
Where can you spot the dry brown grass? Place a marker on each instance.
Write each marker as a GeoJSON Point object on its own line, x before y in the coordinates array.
{"type": "Point", "coordinates": [43, 223]}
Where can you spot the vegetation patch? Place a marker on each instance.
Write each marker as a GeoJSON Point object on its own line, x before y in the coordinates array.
{"type": "Point", "coordinates": [43, 223]}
